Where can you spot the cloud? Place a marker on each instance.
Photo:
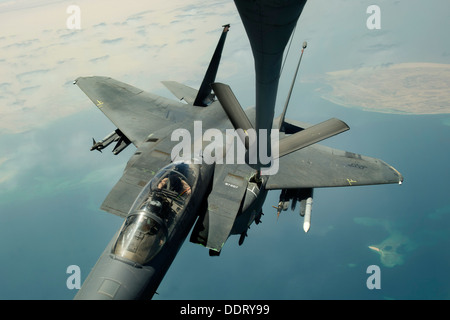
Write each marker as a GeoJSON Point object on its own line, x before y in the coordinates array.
{"type": "Point", "coordinates": [100, 25]}
{"type": "Point", "coordinates": [182, 41]}
{"type": "Point", "coordinates": [22, 44]}
{"type": "Point", "coordinates": [6, 176]}
{"type": "Point", "coordinates": [41, 163]}
{"type": "Point", "coordinates": [188, 31]}
{"type": "Point", "coordinates": [112, 41]}
{"type": "Point", "coordinates": [98, 59]}
{"type": "Point", "coordinates": [30, 89]}
{"type": "Point", "coordinates": [5, 85]}
{"type": "Point", "coordinates": [29, 76]}
{"type": "Point", "coordinates": [128, 40]}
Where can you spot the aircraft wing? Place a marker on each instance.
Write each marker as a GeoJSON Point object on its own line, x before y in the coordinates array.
{"type": "Point", "coordinates": [135, 112]}
{"type": "Point", "coordinates": [141, 168]}
{"type": "Point", "coordinates": [122, 196]}
{"type": "Point", "coordinates": [318, 166]}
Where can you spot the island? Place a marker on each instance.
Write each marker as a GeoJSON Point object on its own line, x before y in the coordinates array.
{"type": "Point", "coordinates": [405, 88]}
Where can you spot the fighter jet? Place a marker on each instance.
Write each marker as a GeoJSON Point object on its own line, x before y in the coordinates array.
{"type": "Point", "coordinates": [163, 195]}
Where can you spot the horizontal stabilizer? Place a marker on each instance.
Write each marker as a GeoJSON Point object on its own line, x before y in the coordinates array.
{"type": "Point", "coordinates": [311, 135]}
{"type": "Point", "coordinates": [181, 91]}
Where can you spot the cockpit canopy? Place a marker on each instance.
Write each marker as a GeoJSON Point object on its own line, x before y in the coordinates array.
{"type": "Point", "coordinates": [155, 212]}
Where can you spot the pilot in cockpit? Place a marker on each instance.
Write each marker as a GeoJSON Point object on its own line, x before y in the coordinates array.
{"type": "Point", "coordinates": [176, 183]}
{"type": "Point", "coordinates": [149, 226]}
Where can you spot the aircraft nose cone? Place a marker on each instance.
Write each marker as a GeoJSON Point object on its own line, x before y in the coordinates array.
{"type": "Point", "coordinates": [113, 279]}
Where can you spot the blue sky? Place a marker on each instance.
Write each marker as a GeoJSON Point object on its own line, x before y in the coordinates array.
{"type": "Point", "coordinates": [51, 186]}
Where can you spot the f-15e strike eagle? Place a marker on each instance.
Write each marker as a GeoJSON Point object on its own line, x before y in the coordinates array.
{"type": "Point", "coordinates": [162, 198]}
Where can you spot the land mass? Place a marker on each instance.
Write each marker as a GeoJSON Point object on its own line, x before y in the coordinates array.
{"type": "Point", "coordinates": [406, 88]}
{"type": "Point", "coordinates": [392, 249]}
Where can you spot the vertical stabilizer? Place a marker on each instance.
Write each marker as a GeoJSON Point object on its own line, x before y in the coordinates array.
{"type": "Point", "coordinates": [204, 96]}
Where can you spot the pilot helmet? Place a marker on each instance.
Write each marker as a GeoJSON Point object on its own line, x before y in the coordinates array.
{"type": "Point", "coordinates": [155, 206]}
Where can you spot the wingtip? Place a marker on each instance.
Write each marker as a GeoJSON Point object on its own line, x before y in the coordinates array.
{"type": "Point", "coordinates": [400, 176]}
